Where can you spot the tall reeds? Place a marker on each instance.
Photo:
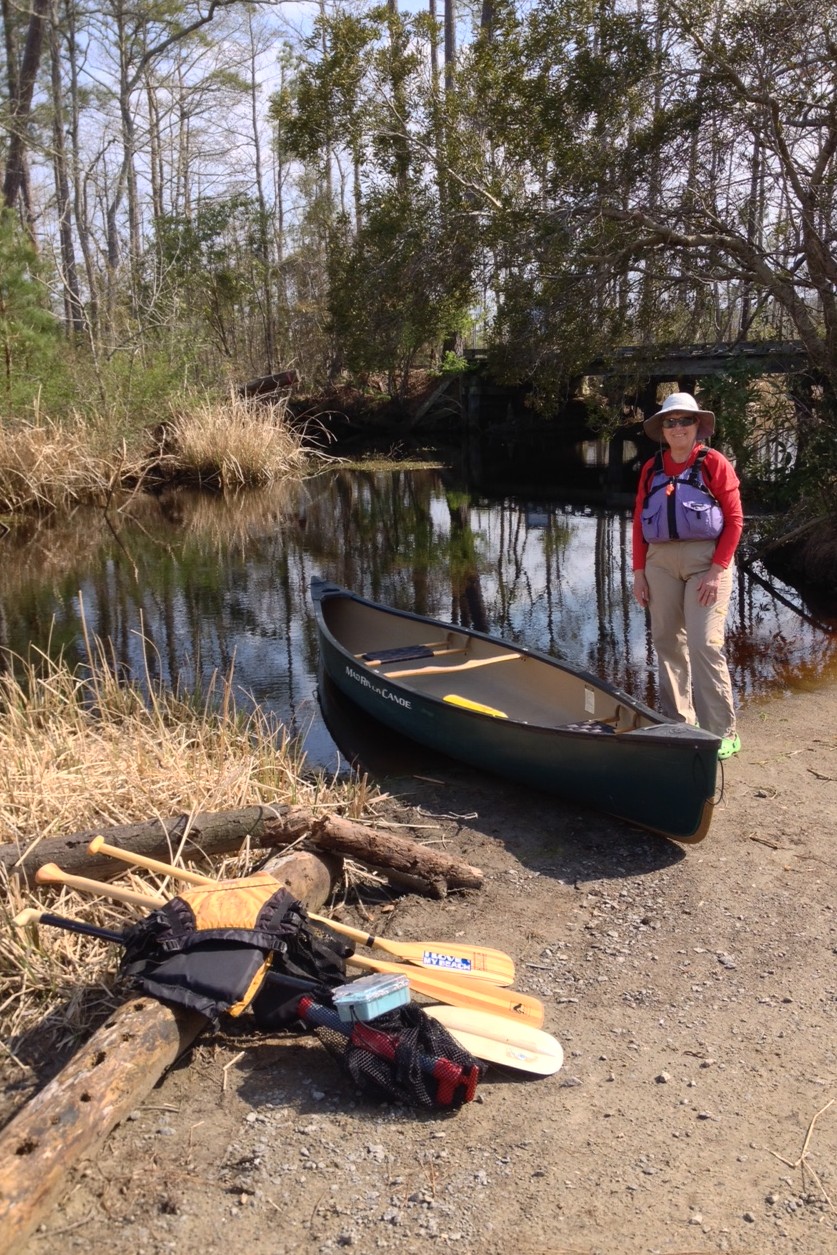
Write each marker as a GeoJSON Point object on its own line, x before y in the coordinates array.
{"type": "Point", "coordinates": [47, 466]}
{"type": "Point", "coordinates": [233, 443]}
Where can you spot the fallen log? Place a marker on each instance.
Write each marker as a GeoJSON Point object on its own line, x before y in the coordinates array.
{"type": "Point", "coordinates": [106, 1079]}
{"type": "Point", "coordinates": [209, 834]}
{"type": "Point", "coordinates": [70, 1116]}
{"type": "Point", "coordinates": [404, 858]}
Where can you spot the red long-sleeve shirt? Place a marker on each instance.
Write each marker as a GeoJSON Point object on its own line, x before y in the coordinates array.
{"type": "Point", "coordinates": [721, 480]}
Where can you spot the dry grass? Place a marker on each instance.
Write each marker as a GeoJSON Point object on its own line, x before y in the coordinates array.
{"type": "Point", "coordinates": [234, 444]}
{"type": "Point", "coordinates": [45, 465]}
{"type": "Point", "coordinates": [79, 752]}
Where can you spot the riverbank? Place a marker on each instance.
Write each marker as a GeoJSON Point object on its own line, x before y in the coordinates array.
{"type": "Point", "coordinates": [693, 991]}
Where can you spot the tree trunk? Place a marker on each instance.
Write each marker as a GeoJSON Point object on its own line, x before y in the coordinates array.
{"type": "Point", "coordinates": [73, 309]}
{"type": "Point", "coordinates": [78, 182]}
{"type": "Point", "coordinates": [450, 42]}
{"type": "Point", "coordinates": [129, 173]}
{"type": "Point", "coordinates": [155, 159]}
{"type": "Point", "coordinates": [269, 341]}
{"type": "Point", "coordinates": [20, 107]}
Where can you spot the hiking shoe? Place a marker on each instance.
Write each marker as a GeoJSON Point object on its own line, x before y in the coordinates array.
{"type": "Point", "coordinates": [729, 745]}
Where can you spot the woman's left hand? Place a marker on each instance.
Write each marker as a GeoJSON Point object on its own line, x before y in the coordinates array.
{"type": "Point", "coordinates": [707, 586]}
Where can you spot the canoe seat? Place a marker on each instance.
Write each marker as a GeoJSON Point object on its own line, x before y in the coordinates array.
{"type": "Point", "coordinates": [404, 653]}
{"type": "Point", "coordinates": [401, 654]}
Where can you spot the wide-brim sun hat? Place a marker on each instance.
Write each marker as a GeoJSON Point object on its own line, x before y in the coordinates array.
{"type": "Point", "coordinates": [680, 403]}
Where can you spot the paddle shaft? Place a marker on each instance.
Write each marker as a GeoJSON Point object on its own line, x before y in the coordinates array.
{"type": "Point", "coordinates": [99, 846]}
{"type": "Point", "coordinates": [440, 956]}
{"type": "Point", "coordinates": [51, 874]}
{"type": "Point", "coordinates": [461, 991]}
{"type": "Point", "coordinates": [443, 986]}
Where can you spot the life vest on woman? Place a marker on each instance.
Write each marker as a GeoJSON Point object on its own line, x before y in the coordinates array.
{"type": "Point", "coordinates": [679, 507]}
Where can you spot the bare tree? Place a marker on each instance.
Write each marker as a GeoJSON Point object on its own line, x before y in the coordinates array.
{"type": "Point", "coordinates": [21, 92]}
{"type": "Point", "coordinates": [73, 309]}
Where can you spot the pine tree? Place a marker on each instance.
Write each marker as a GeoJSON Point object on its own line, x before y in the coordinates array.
{"type": "Point", "coordinates": [29, 331]}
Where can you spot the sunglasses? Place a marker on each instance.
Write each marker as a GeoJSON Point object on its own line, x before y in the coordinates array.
{"type": "Point", "coordinates": [684, 421]}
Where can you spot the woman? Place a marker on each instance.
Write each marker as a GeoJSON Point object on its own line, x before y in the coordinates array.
{"type": "Point", "coordinates": [687, 525]}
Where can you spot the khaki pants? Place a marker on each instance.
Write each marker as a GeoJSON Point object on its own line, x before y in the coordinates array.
{"type": "Point", "coordinates": [689, 638]}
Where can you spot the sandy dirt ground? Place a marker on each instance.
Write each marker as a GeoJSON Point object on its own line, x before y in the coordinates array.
{"type": "Point", "coordinates": [694, 990]}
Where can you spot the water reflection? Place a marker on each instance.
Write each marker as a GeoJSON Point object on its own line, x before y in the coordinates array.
{"type": "Point", "coordinates": [188, 585]}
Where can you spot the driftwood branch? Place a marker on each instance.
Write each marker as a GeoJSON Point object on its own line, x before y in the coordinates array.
{"type": "Point", "coordinates": [821, 626]}
{"type": "Point", "coordinates": [206, 835]}
{"type": "Point", "coordinates": [113, 1072]}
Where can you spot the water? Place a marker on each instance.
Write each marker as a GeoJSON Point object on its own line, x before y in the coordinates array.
{"type": "Point", "coordinates": [187, 586]}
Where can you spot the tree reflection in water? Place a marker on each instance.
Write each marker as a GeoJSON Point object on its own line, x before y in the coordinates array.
{"type": "Point", "coordinates": [187, 585]}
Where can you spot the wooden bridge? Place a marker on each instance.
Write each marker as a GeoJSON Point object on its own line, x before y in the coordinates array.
{"type": "Point", "coordinates": [665, 362]}
{"type": "Point", "coordinates": [502, 434]}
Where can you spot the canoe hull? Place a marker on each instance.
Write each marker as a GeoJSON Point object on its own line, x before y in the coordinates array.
{"type": "Point", "coordinates": [660, 777]}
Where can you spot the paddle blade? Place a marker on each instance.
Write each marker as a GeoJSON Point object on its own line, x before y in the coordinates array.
{"type": "Point", "coordinates": [496, 1039]}
{"type": "Point", "coordinates": [467, 704]}
{"type": "Point", "coordinates": [475, 962]}
{"type": "Point", "coordinates": [462, 991]}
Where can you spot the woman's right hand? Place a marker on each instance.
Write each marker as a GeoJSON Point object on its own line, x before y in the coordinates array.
{"type": "Point", "coordinates": [641, 592]}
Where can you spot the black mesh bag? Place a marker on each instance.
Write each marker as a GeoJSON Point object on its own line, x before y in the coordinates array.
{"type": "Point", "coordinates": [404, 1055]}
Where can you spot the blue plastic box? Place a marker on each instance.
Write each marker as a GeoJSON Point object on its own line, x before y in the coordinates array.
{"type": "Point", "coordinates": [371, 996]}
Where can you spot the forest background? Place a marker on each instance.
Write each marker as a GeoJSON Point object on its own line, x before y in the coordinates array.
{"type": "Point", "coordinates": [199, 193]}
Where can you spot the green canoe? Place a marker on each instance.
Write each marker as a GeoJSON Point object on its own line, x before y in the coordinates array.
{"type": "Point", "coordinates": [518, 713]}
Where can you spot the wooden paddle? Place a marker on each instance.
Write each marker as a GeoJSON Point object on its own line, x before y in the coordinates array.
{"type": "Point", "coordinates": [51, 874]}
{"type": "Point", "coordinates": [478, 962]}
{"type": "Point", "coordinates": [451, 957]}
{"type": "Point", "coordinates": [460, 991]}
{"type": "Point", "coordinates": [497, 1039]}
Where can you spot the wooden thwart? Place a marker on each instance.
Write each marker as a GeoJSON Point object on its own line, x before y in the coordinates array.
{"type": "Point", "coordinates": [457, 666]}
